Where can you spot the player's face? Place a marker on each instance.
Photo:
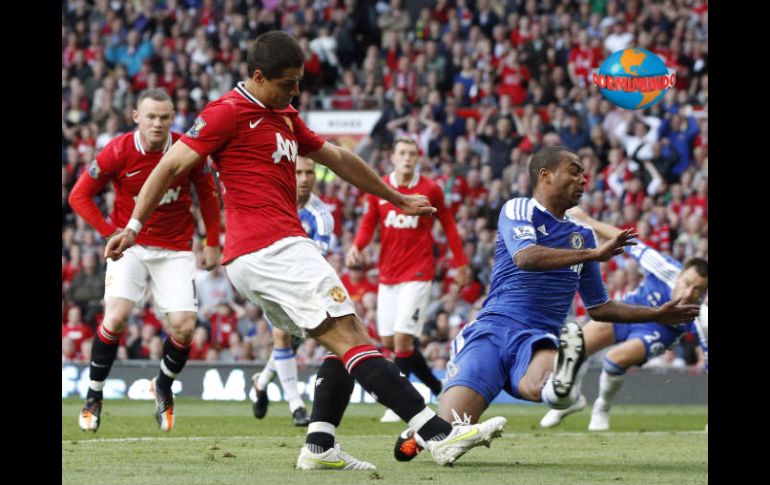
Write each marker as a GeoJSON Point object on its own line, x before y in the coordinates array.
{"type": "Point", "coordinates": [154, 119]}
{"type": "Point", "coordinates": [278, 92]}
{"type": "Point", "coordinates": [690, 285]}
{"type": "Point", "coordinates": [569, 180]}
{"type": "Point", "coordinates": [404, 158]}
{"type": "Point", "coordinates": [305, 171]}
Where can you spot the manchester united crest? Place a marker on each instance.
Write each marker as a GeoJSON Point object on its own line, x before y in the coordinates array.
{"type": "Point", "coordinates": [338, 294]}
{"type": "Point", "coordinates": [576, 240]}
{"type": "Point", "coordinates": [289, 123]}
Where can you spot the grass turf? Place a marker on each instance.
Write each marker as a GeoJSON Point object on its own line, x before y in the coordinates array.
{"type": "Point", "coordinates": [222, 443]}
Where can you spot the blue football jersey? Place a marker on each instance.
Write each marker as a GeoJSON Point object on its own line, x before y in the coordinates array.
{"type": "Point", "coordinates": [317, 222]}
{"type": "Point", "coordinates": [660, 274]}
{"type": "Point", "coordinates": [540, 299]}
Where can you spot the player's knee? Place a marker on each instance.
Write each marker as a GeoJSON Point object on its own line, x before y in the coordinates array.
{"type": "Point", "coordinates": [281, 339]}
{"type": "Point", "coordinates": [340, 334]}
{"type": "Point", "coordinates": [530, 386]}
{"type": "Point", "coordinates": [611, 367]}
{"type": "Point", "coordinates": [182, 325]}
{"type": "Point", "coordinates": [115, 322]}
{"type": "Point", "coordinates": [629, 353]}
{"type": "Point", "coordinates": [402, 342]}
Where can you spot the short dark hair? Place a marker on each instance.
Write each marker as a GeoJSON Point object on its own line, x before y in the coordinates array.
{"type": "Point", "coordinates": [155, 94]}
{"type": "Point", "coordinates": [701, 266]}
{"type": "Point", "coordinates": [548, 158]}
{"type": "Point", "coordinates": [272, 52]}
{"type": "Point", "coordinates": [408, 141]}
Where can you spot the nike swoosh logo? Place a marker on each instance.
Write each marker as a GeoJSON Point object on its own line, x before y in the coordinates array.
{"type": "Point", "coordinates": [383, 202]}
{"type": "Point", "coordinates": [333, 464]}
{"type": "Point", "coordinates": [131, 174]}
{"type": "Point", "coordinates": [254, 124]}
{"type": "Point", "coordinates": [473, 432]}
{"type": "Point", "coordinates": [98, 365]}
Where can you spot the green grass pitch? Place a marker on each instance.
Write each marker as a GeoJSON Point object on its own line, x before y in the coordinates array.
{"type": "Point", "coordinates": [222, 443]}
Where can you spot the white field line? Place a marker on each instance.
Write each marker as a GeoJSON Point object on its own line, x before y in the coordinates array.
{"type": "Point", "coordinates": [507, 435]}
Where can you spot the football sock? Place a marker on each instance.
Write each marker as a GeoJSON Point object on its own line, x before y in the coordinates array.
{"type": "Point", "coordinates": [384, 382]}
{"type": "Point", "coordinates": [423, 371]}
{"type": "Point", "coordinates": [610, 382]}
{"type": "Point", "coordinates": [174, 358]}
{"type": "Point", "coordinates": [267, 373]}
{"type": "Point", "coordinates": [333, 386]}
{"type": "Point", "coordinates": [103, 353]}
{"type": "Point", "coordinates": [286, 368]}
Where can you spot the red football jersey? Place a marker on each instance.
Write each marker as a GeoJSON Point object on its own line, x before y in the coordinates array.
{"type": "Point", "coordinates": [254, 148]}
{"type": "Point", "coordinates": [407, 243]}
{"type": "Point", "coordinates": [126, 163]}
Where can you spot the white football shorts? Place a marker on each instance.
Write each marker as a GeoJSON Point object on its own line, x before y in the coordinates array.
{"type": "Point", "coordinates": [401, 308]}
{"type": "Point", "coordinates": [169, 274]}
{"type": "Point", "coordinates": [293, 283]}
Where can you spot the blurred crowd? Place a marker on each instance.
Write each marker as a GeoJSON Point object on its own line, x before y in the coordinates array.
{"type": "Point", "coordinates": [480, 85]}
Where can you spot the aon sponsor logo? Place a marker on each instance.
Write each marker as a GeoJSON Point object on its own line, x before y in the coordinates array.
{"type": "Point", "coordinates": [401, 221]}
{"type": "Point", "coordinates": [284, 148]}
{"type": "Point", "coordinates": [171, 195]}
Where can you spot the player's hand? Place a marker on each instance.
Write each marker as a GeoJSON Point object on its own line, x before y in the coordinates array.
{"type": "Point", "coordinates": [615, 246]}
{"type": "Point", "coordinates": [463, 275]}
{"type": "Point", "coordinates": [211, 257]}
{"type": "Point", "coordinates": [354, 258]}
{"type": "Point", "coordinates": [416, 205]}
{"type": "Point", "coordinates": [674, 312]}
{"type": "Point", "coordinates": [119, 243]}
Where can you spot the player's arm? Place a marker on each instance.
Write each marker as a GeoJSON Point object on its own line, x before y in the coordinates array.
{"type": "Point", "coordinates": [352, 168]}
{"type": "Point", "coordinates": [453, 237]}
{"type": "Point", "coordinates": [649, 259]}
{"type": "Point", "coordinates": [541, 258]}
{"type": "Point", "coordinates": [602, 229]}
{"type": "Point", "coordinates": [178, 160]}
{"type": "Point", "coordinates": [671, 313]}
{"type": "Point", "coordinates": [365, 232]}
{"type": "Point", "coordinates": [208, 201]}
{"type": "Point", "coordinates": [102, 170]}
{"type": "Point", "coordinates": [81, 200]}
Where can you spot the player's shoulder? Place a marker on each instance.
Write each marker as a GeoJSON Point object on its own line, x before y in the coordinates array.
{"type": "Point", "coordinates": [315, 204]}
{"type": "Point", "coordinates": [520, 209]}
{"type": "Point", "coordinates": [579, 225]}
{"type": "Point", "coordinates": [118, 148]}
{"type": "Point", "coordinates": [175, 136]}
{"type": "Point", "coordinates": [121, 142]}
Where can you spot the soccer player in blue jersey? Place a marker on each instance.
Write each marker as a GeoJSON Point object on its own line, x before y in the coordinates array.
{"type": "Point", "coordinates": [319, 226]}
{"type": "Point", "coordinates": [542, 258]}
{"type": "Point", "coordinates": [665, 279]}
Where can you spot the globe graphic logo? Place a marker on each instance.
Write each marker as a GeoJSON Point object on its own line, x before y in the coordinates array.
{"type": "Point", "coordinates": [633, 78]}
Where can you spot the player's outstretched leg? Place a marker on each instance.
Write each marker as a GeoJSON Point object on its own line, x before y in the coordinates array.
{"type": "Point", "coordinates": [261, 380]}
{"type": "Point", "coordinates": [333, 387]}
{"type": "Point", "coordinates": [103, 353]}
{"type": "Point", "coordinates": [610, 382]}
{"type": "Point", "coordinates": [561, 390]}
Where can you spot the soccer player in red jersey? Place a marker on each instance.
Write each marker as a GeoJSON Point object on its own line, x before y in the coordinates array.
{"type": "Point", "coordinates": [406, 261]}
{"type": "Point", "coordinates": [254, 136]}
{"type": "Point", "coordinates": [162, 258]}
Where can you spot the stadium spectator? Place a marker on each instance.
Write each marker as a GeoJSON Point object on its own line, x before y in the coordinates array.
{"type": "Point", "coordinates": [95, 89]}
